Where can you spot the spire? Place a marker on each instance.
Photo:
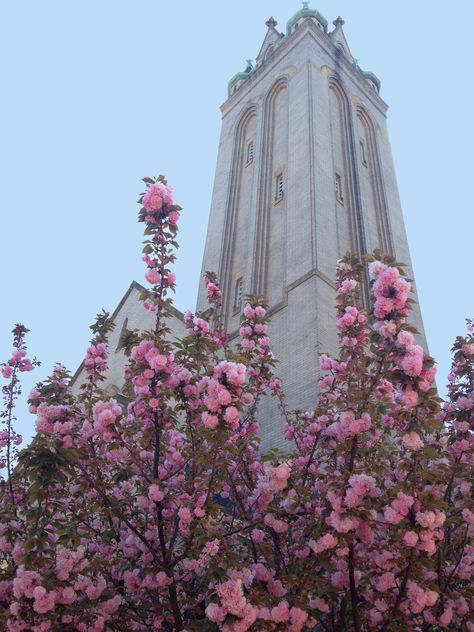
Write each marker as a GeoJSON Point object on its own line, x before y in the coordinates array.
{"type": "Point", "coordinates": [339, 39]}
{"type": "Point", "coordinates": [270, 41]}
{"type": "Point", "coordinates": [271, 23]}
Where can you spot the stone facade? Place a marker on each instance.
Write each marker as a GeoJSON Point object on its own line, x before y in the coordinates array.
{"type": "Point", "coordinates": [304, 173]}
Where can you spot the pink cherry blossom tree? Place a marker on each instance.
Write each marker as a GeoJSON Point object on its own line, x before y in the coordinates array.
{"type": "Point", "coordinates": [158, 511]}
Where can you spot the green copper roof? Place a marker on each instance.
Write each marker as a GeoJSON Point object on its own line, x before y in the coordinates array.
{"type": "Point", "coordinates": [306, 12]}
{"type": "Point", "coordinates": [370, 76]}
{"type": "Point", "coordinates": [240, 75]}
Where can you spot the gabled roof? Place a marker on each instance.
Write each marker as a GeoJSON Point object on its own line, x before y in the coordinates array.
{"type": "Point", "coordinates": [130, 295]}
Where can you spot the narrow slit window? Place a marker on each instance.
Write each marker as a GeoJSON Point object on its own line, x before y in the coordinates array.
{"type": "Point", "coordinates": [338, 185]}
{"type": "Point", "coordinates": [362, 153]}
{"type": "Point", "coordinates": [279, 187]}
{"type": "Point", "coordinates": [238, 294]}
{"type": "Point", "coordinates": [250, 150]}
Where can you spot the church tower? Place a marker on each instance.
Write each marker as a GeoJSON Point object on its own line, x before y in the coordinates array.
{"type": "Point", "coordinates": [304, 173]}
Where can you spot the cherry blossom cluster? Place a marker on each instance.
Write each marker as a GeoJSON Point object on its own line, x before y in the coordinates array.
{"type": "Point", "coordinates": [161, 218]}
{"type": "Point", "coordinates": [18, 363]}
{"type": "Point", "coordinates": [157, 511]}
{"type": "Point", "coordinates": [96, 360]}
{"type": "Point", "coordinates": [255, 343]}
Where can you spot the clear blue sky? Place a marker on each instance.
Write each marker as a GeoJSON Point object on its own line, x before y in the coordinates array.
{"type": "Point", "coordinates": [97, 95]}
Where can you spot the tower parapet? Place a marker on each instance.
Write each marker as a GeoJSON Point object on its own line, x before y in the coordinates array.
{"type": "Point", "coordinates": [273, 39]}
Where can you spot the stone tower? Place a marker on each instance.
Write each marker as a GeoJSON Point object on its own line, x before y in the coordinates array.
{"type": "Point", "coordinates": [304, 173]}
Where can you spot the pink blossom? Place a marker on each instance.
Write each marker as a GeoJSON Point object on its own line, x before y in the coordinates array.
{"type": "Point", "coordinates": [216, 613]}
{"type": "Point", "coordinates": [410, 538]}
{"type": "Point", "coordinates": [213, 292]}
{"type": "Point", "coordinates": [297, 619]}
{"type": "Point", "coordinates": [139, 351]}
{"type": "Point", "coordinates": [105, 414]}
{"type": "Point", "coordinates": [413, 441]}
{"type": "Point", "coordinates": [44, 601]}
{"type": "Point", "coordinates": [162, 579]}
{"type": "Point", "coordinates": [232, 416]}
{"type": "Point", "coordinates": [419, 598]}
{"type": "Point", "coordinates": [249, 312]}
{"type": "Point", "coordinates": [361, 485]}
{"type": "Point", "coordinates": [210, 421]}
{"type": "Point", "coordinates": [24, 582]}
{"type": "Point", "coordinates": [383, 582]}
{"type": "Point", "coordinates": [153, 276]}
{"type": "Point", "coordinates": [319, 604]}
{"type": "Point", "coordinates": [173, 217]}
{"type": "Point", "coordinates": [325, 362]}
{"type": "Point", "coordinates": [232, 597]}
{"type": "Point", "coordinates": [446, 618]}
{"type": "Point", "coordinates": [410, 397]}
{"type": "Point", "coordinates": [347, 286]}
{"type": "Point", "coordinates": [185, 515]}
{"type": "Point", "coordinates": [6, 371]}
{"type": "Point", "coordinates": [281, 612]}
{"type": "Point", "coordinates": [156, 195]}
{"type": "Point", "coordinates": [258, 535]}
{"type": "Point", "coordinates": [375, 268]}
{"type": "Point", "coordinates": [468, 516]}
{"type": "Point", "coordinates": [386, 328]}
{"type": "Point", "coordinates": [412, 361]}
{"type": "Point", "coordinates": [430, 519]}
{"type": "Point", "coordinates": [155, 493]}
{"type": "Point", "coordinates": [111, 605]}
{"type": "Point", "coordinates": [156, 360]}
{"type": "Point", "coordinates": [327, 541]}
{"type": "Point", "coordinates": [279, 475]}
{"type": "Point", "coordinates": [405, 338]}
{"type": "Point", "coordinates": [390, 291]}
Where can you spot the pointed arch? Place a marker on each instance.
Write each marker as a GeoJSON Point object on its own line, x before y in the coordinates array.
{"type": "Point", "coordinates": [269, 251]}
{"type": "Point", "coordinates": [372, 181]}
{"type": "Point", "coordinates": [352, 237]}
{"type": "Point", "coordinates": [234, 256]}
